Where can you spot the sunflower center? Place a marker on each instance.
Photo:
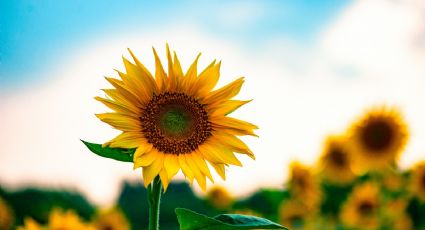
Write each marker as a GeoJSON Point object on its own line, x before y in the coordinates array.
{"type": "Point", "coordinates": [175, 123]}
{"type": "Point", "coordinates": [377, 136]}
{"type": "Point", "coordinates": [365, 208]}
{"type": "Point", "coordinates": [338, 157]}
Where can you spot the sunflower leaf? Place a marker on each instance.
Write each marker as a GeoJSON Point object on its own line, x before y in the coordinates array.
{"type": "Point", "coordinates": [190, 220]}
{"type": "Point", "coordinates": [119, 154]}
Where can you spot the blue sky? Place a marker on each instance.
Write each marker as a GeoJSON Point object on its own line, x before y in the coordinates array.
{"type": "Point", "coordinates": [35, 35]}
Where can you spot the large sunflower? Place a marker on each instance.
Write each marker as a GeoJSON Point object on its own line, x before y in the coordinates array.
{"type": "Point", "coordinates": [335, 162]}
{"type": "Point", "coordinates": [361, 210]}
{"type": "Point", "coordinates": [378, 138]}
{"type": "Point", "coordinates": [175, 120]}
{"type": "Point", "coordinates": [417, 180]}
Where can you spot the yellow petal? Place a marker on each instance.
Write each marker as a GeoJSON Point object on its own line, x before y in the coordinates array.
{"type": "Point", "coordinates": [125, 92]}
{"type": "Point", "coordinates": [219, 168]}
{"type": "Point", "coordinates": [191, 76]}
{"type": "Point", "coordinates": [196, 171]}
{"type": "Point", "coordinates": [151, 171]}
{"type": "Point", "coordinates": [234, 123]}
{"type": "Point", "coordinates": [164, 179]}
{"type": "Point", "coordinates": [160, 75]}
{"type": "Point", "coordinates": [208, 153]}
{"type": "Point", "coordinates": [143, 148]}
{"type": "Point", "coordinates": [233, 143]}
{"type": "Point", "coordinates": [126, 140]}
{"type": "Point", "coordinates": [220, 153]}
{"type": "Point", "coordinates": [135, 86]}
{"type": "Point", "coordinates": [202, 165]}
{"type": "Point", "coordinates": [120, 121]}
{"type": "Point", "coordinates": [118, 107]}
{"type": "Point", "coordinates": [224, 93]}
{"type": "Point", "coordinates": [207, 80]}
{"type": "Point", "coordinates": [172, 79]}
{"type": "Point", "coordinates": [171, 163]}
{"type": "Point", "coordinates": [185, 168]}
{"type": "Point", "coordinates": [146, 159]}
{"type": "Point", "coordinates": [118, 97]}
{"type": "Point", "coordinates": [141, 80]}
{"type": "Point", "coordinates": [177, 69]}
{"type": "Point", "coordinates": [146, 77]}
{"type": "Point", "coordinates": [226, 107]}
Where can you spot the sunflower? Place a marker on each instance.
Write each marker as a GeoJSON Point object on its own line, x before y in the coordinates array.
{"type": "Point", "coordinates": [111, 219]}
{"type": "Point", "coordinates": [66, 220]}
{"type": "Point", "coordinates": [219, 197]}
{"type": "Point", "coordinates": [30, 224]}
{"type": "Point", "coordinates": [335, 162]}
{"type": "Point", "coordinates": [378, 138]}
{"type": "Point", "coordinates": [6, 216]}
{"type": "Point", "coordinates": [303, 185]}
{"type": "Point", "coordinates": [417, 180]}
{"type": "Point", "coordinates": [175, 120]}
{"type": "Point", "coordinates": [293, 214]}
{"type": "Point", "coordinates": [361, 210]}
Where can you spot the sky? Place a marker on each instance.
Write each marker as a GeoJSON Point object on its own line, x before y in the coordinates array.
{"type": "Point", "coordinates": [312, 68]}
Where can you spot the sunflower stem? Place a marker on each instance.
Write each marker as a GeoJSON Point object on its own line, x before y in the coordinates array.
{"type": "Point", "coordinates": [154, 198]}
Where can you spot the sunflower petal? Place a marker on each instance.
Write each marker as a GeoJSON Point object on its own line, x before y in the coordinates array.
{"type": "Point", "coordinates": [143, 148]}
{"type": "Point", "coordinates": [172, 79]}
{"type": "Point", "coordinates": [146, 76]}
{"type": "Point", "coordinates": [164, 179]}
{"type": "Point", "coordinates": [116, 106]}
{"type": "Point", "coordinates": [140, 78]}
{"type": "Point", "coordinates": [171, 164]}
{"type": "Point", "coordinates": [233, 143]}
{"type": "Point", "coordinates": [120, 98]}
{"type": "Point", "coordinates": [126, 140]}
{"type": "Point", "coordinates": [207, 80]}
{"type": "Point", "coordinates": [224, 93]}
{"type": "Point", "coordinates": [219, 168]}
{"type": "Point", "coordinates": [202, 165]}
{"type": "Point", "coordinates": [226, 107]}
{"type": "Point", "coordinates": [151, 171]}
{"type": "Point", "coordinates": [160, 75]}
{"type": "Point", "coordinates": [120, 121]}
{"type": "Point", "coordinates": [135, 86]}
{"type": "Point", "coordinates": [191, 74]}
{"type": "Point", "coordinates": [124, 91]}
{"type": "Point", "coordinates": [196, 171]}
{"type": "Point", "coordinates": [208, 153]}
{"type": "Point", "coordinates": [185, 168]}
{"type": "Point", "coordinates": [146, 159]}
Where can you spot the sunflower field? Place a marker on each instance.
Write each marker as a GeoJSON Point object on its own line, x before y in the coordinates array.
{"type": "Point", "coordinates": [355, 184]}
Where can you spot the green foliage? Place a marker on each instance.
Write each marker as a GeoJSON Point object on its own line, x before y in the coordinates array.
{"type": "Point", "coordinates": [190, 220]}
{"type": "Point", "coordinates": [265, 201]}
{"type": "Point", "coordinates": [38, 203]}
{"type": "Point", "coordinates": [119, 154]}
{"type": "Point", "coordinates": [133, 202]}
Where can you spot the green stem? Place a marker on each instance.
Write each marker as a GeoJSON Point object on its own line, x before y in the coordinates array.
{"type": "Point", "coordinates": [154, 198]}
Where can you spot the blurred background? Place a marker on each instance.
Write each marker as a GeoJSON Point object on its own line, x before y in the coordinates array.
{"type": "Point", "coordinates": [312, 68]}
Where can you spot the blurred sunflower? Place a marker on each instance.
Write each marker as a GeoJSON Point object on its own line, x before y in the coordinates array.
{"type": "Point", "coordinates": [303, 185]}
{"type": "Point", "coordinates": [66, 220]}
{"type": "Point", "coordinates": [395, 215]}
{"type": "Point", "coordinates": [361, 210]}
{"type": "Point", "coordinates": [111, 219]}
{"type": "Point", "coordinates": [176, 121]}
{"type": "Point", "coordinates": [30, 224]}
{"type": "Point", "coordinates": [219, 197]}
{"type": "Point", "coordinates": [335, 161]}
{"type": "Point", "coordinates": [417, 180]}
{"type": "Point", "coordinates": [6, 215]}
{"type": "Point", "coordinates": [378, 138]}
{"type": "Point", "coordinates": [393, 180]}
{"type": "Point", "coordinates": [293, 214]}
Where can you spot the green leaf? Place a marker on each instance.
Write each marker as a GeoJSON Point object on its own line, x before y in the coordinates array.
{"type": "Point", "coordinates": [119, 154]}
{"type": "Point", "coordinates": [190, 220]}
